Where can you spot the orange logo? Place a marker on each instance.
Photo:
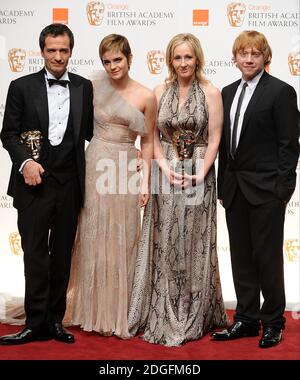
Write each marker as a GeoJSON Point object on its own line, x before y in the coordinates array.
{"type": "Point", "coordinates": [236, 13]}
{"type": "Point", "coordinates": [200, 17]}
{"type": "Point", "coordinates": [292, 249]}
{"type": "Point", "coordinates": [60, 15]}
{"type": "Point", "coordinates": [155, 61]}
{"type": "Point", "coordinates": [16, 59]}
{"type": "Point", "coordinates": [294, 62]}
{"type": "Point", "coordinates": [15, 243]}
{"type": "Point", "coordinates": [95, 12]}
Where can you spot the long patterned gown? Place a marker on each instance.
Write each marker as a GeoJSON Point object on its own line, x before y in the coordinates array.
{"type": "Point", "coordinates": [177, 292]}
{"type": "Point", "coordinates": [109, 225]}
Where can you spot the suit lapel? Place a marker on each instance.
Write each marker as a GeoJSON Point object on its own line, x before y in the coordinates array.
{"type": "Point", "coordinates": [39, 96]}
{"type": "Point", "coordinates": [76, 102]}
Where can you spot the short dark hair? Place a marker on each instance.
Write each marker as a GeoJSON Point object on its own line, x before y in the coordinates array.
{"type": "Point", "coordinates": [115, 42]}
{"type": "Point", "coordinates": [55, 30]}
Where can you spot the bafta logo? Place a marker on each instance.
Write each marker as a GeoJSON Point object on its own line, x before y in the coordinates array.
{"type": "Point", "coordinates": [95, 12]}
{"type": "Point", "coordinates": [15, 243]}
{"type": "Point", "coordinates": [294, 62]}
{"type": "Point", "coordinates": [16, 59]}
{"type": "Point", "coordinates": [292, 249]}
{"type": "Point", "coordinates": [236, 13]}
{"type": "Point", "coordinates": [155, 61]}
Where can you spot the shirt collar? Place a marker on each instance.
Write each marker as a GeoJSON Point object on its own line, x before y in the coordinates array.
{"type": "Point", "coordinates": [253, 82]}
{"type": "Point", "coordinates": [48, 75]}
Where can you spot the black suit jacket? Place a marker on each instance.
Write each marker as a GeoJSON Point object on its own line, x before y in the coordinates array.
{"type": "Point", "coordinates": [265, 163]}
{"type": "Point", "coordinates": [27, 109]}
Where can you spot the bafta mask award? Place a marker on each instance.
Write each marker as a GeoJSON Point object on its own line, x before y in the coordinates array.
{"type": "Point", "coordinates": [184, 143]}
{"type": "Point", "coordinates": [33, 143]}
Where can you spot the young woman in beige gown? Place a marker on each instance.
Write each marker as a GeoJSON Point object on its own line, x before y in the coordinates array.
{"type": "Point", "coordinates": [109, 225]}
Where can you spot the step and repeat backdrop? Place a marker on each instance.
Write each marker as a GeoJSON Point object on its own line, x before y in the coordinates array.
{"type": "Point", "coordinates": [149, 25]}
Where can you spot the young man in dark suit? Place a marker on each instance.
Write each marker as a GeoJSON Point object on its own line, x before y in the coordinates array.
{"type": "Point", "coordinates": [256, 178]}
{"type": "Point", "coordinates": [53, 109]}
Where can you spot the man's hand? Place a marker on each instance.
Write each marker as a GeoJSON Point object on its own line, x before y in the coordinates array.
{"type": "Point", "coordinates": [32, 172]}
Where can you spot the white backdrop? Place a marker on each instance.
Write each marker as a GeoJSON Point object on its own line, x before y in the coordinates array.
{"type": "Point", "coordinates": [148, 25]}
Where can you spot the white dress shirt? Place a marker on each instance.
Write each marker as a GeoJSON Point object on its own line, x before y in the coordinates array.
{"type": "Point", "coordinates": [248, 94]}
{"type": "Point", "coordinates": [59, 108]}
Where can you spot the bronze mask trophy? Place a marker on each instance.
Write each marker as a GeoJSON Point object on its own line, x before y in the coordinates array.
{"type": "Point", "coordinates": [33, 143]}
{"type": "Point", "coordinates": [184, 143]}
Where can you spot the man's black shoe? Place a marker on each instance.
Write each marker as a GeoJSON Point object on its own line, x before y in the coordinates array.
{"type": "Point", "coordinates": [271, 337]}
{"type": "Point", "coordinates": [61, 334]}
{"type": "Point", "coordinates": [237, 330]}
{"type": "Point", "coordinates": [25, 336]}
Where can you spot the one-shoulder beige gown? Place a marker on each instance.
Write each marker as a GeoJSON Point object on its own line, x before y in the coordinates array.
{"type": "Point", "coordinates": [108, 231]}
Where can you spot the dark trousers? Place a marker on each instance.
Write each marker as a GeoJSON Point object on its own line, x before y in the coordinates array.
{"type": "Point", "coordinates": [47, 228]}
{"type": "Point", "coordinates": [256, 246]}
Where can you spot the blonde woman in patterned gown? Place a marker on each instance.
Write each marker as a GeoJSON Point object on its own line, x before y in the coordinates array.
{"type": "Point", "coordinates": [177, 292]}
{"type": "Point", "coordinates": [109, 225]}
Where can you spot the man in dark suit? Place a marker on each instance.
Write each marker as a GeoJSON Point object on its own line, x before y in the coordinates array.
{"type": "Point", "coordinates": [256, 178]}
{"type": "Point", "coordinates": [49, 189]}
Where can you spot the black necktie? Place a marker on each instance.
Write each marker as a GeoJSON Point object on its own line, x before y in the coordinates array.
{"type": "Point", "coordinates": [57, 81]}
{"type": "Point", "coordinates": [236, 121]}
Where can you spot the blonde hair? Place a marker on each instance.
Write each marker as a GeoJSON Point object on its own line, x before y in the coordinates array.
{"type": "Point", "coordinates": [115, 42]}
{"type": "Point", "coordinates": [253, 39]}
{"type": "Point", "coordinates": [194, 43]}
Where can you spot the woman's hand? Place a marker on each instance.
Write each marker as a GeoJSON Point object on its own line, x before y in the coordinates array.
{"type": "Point", "coordinates": [173, 177]}
{"type": "Point", "coordinates": [191, 180]}
{"type": "Point", "coordinates": [144, 195]}
{"type": "Point", "coordinates": [143, 199]}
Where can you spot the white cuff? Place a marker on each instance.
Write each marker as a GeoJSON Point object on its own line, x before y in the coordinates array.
{"type": "Point", "coordinates": [23, 164]}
